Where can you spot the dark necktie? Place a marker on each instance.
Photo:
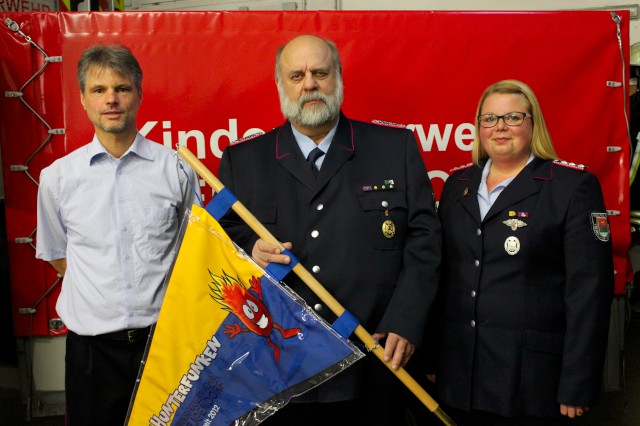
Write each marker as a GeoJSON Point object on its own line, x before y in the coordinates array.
{"type": "Point", "coordinates": [313, 157]}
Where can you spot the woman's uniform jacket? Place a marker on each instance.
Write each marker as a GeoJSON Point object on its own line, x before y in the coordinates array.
{"type": "Point", "coordinates": [525, 292]}
{"type": "Point", "coordinates": [371, 175]}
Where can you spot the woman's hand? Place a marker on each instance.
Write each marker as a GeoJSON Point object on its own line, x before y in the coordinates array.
{"type": "Point", "coordinates": [572, 411]}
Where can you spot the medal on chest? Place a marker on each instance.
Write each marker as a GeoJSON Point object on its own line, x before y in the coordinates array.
{"type": "Point", "coordinates": [388, 227]}
{"type": "Point", "coordinates": [512, 245]}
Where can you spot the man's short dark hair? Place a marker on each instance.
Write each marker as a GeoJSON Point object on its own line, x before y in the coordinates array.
{"type": "Point", "coordinates": [109, 56]}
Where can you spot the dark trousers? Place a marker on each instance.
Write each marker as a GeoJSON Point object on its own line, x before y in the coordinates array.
{"type": "Point", "coordinates": [100, 377]}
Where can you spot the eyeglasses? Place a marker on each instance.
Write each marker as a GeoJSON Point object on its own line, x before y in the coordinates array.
{"type": "Point", "coordinates": [510, 119]}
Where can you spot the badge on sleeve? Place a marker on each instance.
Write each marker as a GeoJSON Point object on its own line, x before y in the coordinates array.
{"type": "Point", "coordinates": [600, 226]}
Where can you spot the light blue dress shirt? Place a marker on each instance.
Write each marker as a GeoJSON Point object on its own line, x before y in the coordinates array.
{"type": "Point", "coordinates": [307, 144]}
{"type": "Point", "coordinates": [486, 198]}
{"type": "Point", "coordinates": [116, 222]}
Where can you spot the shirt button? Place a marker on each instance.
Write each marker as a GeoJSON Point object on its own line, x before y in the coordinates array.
{"type": "Point", "coordinates": [128, 285]}
{"type": "Point", "coordinates": [317, 307]}
{"type": "Point", "coordinates": [126, 257]}
{"type": "Point", "coordinates": [130, 314]}
{"type": "Point", "coordinates": [320, 207]}
{"type": "Point", "coordinates": [121, 200]}
{"type": "Point", "coordinates": [316, 269]}
{"type": "Point", "coordinates": [479, 231]}
{"type": "Point", "coordinates": [473, 293]}
{"type": "Point", "coordinates": [473, 323]}
{"type": "Point", "coordinates": [315, 233]}
{"type": "Point", "coordinates": [124, 228]}
{"type": "Point", "coordinates": [477, 263]}
{"type": "Point", "coordinates": [385, 204]}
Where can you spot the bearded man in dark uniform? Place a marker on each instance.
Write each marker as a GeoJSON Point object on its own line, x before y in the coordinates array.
{"type": "Point", "coordinates": [354, 202]}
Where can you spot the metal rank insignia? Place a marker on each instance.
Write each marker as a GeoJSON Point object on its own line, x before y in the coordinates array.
{"type": "Point", "coordinates": [514, 223]}
{"type": "Point", "coordinates": [388, 228]}
{"type": "Point", "coordinates": [512, 245]}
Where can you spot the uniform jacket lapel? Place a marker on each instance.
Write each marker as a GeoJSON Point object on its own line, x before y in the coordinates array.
{"type": "Point", "coordinates": [523, 186]}
{"type": "Point", "coordinates": [468, 191]}
{"type": "Point", "coordinates": [290, 157]}
{"type": "Point", "coordinates": [341, 150]}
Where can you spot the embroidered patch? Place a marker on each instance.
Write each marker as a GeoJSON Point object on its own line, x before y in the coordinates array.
{"type": "Point", "coordinates": [600, 226]}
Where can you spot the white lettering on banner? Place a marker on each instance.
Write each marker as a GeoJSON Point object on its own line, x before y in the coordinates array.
{"type": "Point", "coordinates": [177, 397]}
{"type": "Point", "coordinates": [462, 136]}
{"type": "Point", "coordinates": [184, 135]}
{"type": "Point", "coordinates": [464, 132]}
{"type": "Point", "coordinates": [438, 174]}
{"type": "Point", "coordinates": [26, 6]}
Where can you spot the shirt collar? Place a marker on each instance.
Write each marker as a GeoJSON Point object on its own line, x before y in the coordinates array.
{"type": "Point", "coordinates": [140, 147]}
{"type": "Point", "coordinates": [307, 144]}
{"type": "Point", "coordinates": [485, 172]}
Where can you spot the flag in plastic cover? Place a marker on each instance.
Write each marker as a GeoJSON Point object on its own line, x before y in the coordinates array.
{"type": "Point", "coordinates": [231, 345]}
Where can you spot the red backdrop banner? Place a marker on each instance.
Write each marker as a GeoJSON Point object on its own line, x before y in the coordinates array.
{"type": "Point", "coordinates": [209, 79]}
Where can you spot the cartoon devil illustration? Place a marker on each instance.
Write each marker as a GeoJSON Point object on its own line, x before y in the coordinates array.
{"type": "Point", "coordinates": [251, 310]}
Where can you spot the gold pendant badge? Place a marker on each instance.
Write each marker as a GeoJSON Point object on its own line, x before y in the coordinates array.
{"type": "Point", "coordinates": [388, 229]}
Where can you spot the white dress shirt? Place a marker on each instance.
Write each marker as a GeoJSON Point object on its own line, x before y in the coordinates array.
{"type": "Point", "coordinates": [116, 222]}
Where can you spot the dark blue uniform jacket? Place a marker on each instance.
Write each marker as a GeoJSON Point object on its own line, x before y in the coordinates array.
{"type": "Point", "coordinates": [524, 305]}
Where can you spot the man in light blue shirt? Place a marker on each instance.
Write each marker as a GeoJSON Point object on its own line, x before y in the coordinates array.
{"type": "Point", "coordinates": [108, 220]}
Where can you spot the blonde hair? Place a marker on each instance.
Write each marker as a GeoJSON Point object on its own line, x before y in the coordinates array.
{"type": "Point", "coordinates": [541, 144]}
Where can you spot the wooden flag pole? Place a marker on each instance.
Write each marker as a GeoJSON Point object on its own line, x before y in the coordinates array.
{"type": "Point", "coordinates": [317, 288]}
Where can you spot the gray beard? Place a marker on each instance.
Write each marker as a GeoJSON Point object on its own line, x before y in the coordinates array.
{"type": "Point", "coordinates": [312, 115]}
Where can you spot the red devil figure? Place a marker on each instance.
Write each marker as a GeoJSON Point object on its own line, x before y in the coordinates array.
{"type": "Point", "coordinates": [251, 310]}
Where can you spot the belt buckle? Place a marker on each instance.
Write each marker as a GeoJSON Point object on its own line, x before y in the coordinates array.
{"type": "Point", "coordinates": [132, 335]}
{"type": "Point", "coordinates": [136, 334]}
